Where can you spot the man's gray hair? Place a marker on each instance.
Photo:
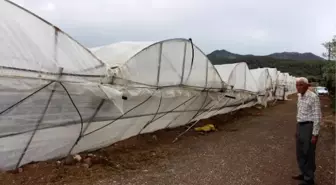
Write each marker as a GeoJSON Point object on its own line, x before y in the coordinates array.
{"type": "Point", "coordinates": [302, 79]}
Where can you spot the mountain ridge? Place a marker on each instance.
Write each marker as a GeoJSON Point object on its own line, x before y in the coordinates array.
{"type": "Point", "coordinates": [296, 64]}
{"type": "Point", "coordinates": [306, 56]}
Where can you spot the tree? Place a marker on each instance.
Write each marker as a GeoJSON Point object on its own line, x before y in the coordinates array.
{"type": "Point", "coordinates": [329, 70]}
{"type": "Point", "coordinates": [329, 75]}
{"type": "Point", "coordinates": [331, 49]}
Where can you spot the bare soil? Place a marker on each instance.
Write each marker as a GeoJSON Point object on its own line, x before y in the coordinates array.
{"type": "Point", "coordinates": [251, 147]}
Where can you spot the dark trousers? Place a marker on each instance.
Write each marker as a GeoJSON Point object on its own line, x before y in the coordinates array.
{"type": "Point", "coordinates": [305, 150]}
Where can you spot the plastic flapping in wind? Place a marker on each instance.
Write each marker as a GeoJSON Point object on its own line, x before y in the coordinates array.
{"type": "Point", "coordinates": [274, 76]}
{"type": "Point", "coordinates": [243, 85]}
{"type": "Point", "coordinates": [178, 68]}
{"type": "Point", "coordinates": [73, 117]}
{"type": "Point", "coordinates": [117, 54]}
{"type": "Point", "coordinates": [238, 76]}
{"type": "Point", "coordinates": [286, 86]}
{"type": "Point", "coordinates": [291, 85]}
{"type": "Point", "coordinates": [65, 100]}
{"type": "Point", "coordinates": [269, 83]}
{"type": "Point", "coordinates": [281, 88]}
{"type": "Point", "coordinates": [57, 98]}
{"type": "Point", "coordinates": [34, 45]}
{"type": "Point", "coordinates": [263, 79]}
{"type": "Point", "coordinates": [39, 64]}
{"type": "Point", "coordinates": [264, 84]}
{"type": "Point", "coordinates": [174, 62]}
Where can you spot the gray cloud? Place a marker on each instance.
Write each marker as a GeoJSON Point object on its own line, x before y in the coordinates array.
{"type": "Point", "coordinates": [242, 26]}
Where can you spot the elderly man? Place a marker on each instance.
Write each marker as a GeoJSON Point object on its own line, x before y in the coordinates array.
{"type": "Point", "coordinates": [308, 126]}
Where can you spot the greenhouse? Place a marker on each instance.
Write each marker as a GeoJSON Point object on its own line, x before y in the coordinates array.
{"type": "Point", "coordinates": [238, 76]}
{"type": "Point", "coordinates": [60, 98]}
{"type": "Point", "coordinates": [264, 84]}
{"type": "Point", "coordinates": [280, 92]}
{"type": "Point", "coordinates": [273, 72]}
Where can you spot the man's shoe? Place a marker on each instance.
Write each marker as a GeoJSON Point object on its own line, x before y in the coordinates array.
{"type": "Point", "coordinates": [298, 177]}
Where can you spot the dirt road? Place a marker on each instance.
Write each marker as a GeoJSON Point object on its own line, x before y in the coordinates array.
{"type": "Point", "coordinates": [253, 147]}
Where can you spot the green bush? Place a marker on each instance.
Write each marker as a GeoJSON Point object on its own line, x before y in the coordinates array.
{"type": "Point", "coordinates": [329, 81]}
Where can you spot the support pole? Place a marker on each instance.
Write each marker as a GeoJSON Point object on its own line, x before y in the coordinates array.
{"type": "Point", "coordinates": [40, 120]}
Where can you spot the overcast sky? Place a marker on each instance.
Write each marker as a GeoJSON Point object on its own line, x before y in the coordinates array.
{"type": "Point", "coordinates": [240, 26]}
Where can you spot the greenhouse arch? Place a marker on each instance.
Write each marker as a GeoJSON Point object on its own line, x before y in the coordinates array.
{"type": "Point", "coordinates": [43, 48]}
{"type": "Point", "coordinates": [59, 99]}
{"type": "Point", "coordinates": [238, 76]}
{"type": "Point", "coordinates": [172, 62]}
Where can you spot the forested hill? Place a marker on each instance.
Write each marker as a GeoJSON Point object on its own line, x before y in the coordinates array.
{"type": "Point", "coordinates": [296, 56]}
{"type": "Point", "coordinates": [297, 64]}
{"type": "Point", "coordinates": [283, 55]}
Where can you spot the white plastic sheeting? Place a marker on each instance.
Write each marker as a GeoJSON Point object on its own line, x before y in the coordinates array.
{"type": "Point", "coordinates": [290, 85]}
{"type": "Point", "coordinates": [57, 98]}
{"type": "Point", "coordinates": [30, 43]}
{"type": "Point", "coordinates": [263, 79]}
{"type": "Point", "coordinates": [264, 84]}
{"type": "Point", "coordinates": [267, 83]}
{"type": "Point", "coordinates": [241, 81]}
{"type": "Point", "coordinates": [182, 69]}
{"type": "Point", "coordinates": [280, 92]}
{"type": "Point", "coordinates": [274, 76]}
{"type": "Point", "coordinates": [118, 53]}
{"type": "Point", "coordinates": [285, 86]}
{"type": "Point", "coordinates": [161, 64]}
{"type": "Point", "coordinates": [34, 55]}
{"type": "Point", "coordinates": [238, 76]}
{"type": "Point", "coordinates": [86, 116]}
{"type": "Point", "coordinates": [50, 108]}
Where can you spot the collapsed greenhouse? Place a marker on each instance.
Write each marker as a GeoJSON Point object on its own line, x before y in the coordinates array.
{"type": "Point", "coordinates": [264, 83]}
{"type": "Point", "coordinates": [60, 98]}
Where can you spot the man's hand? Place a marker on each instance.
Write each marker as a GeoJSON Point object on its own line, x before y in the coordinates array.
{"type": "Point", "coordinates": [314, 139]}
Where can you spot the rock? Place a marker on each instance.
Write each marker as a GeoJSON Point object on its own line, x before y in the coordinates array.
{"type": "Point", "coordinates": [155, 137]}
{"type": "Point", "coordinates": [258, 107]}
{"type": "Point", "coordinates": [69, 160]}
{"type": "Point", "coordinates": [88, 161]}
{"type": "Point", "coordinates": [86, 165]}
{"type": "Point", "coordinates": [77, 157]}
{"type": "Point", "coordinates": [90, 155]}
{"type": "Point", "coordinates": [15, 171]}
{"type": "Point", "coordinates": [96, 160]}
